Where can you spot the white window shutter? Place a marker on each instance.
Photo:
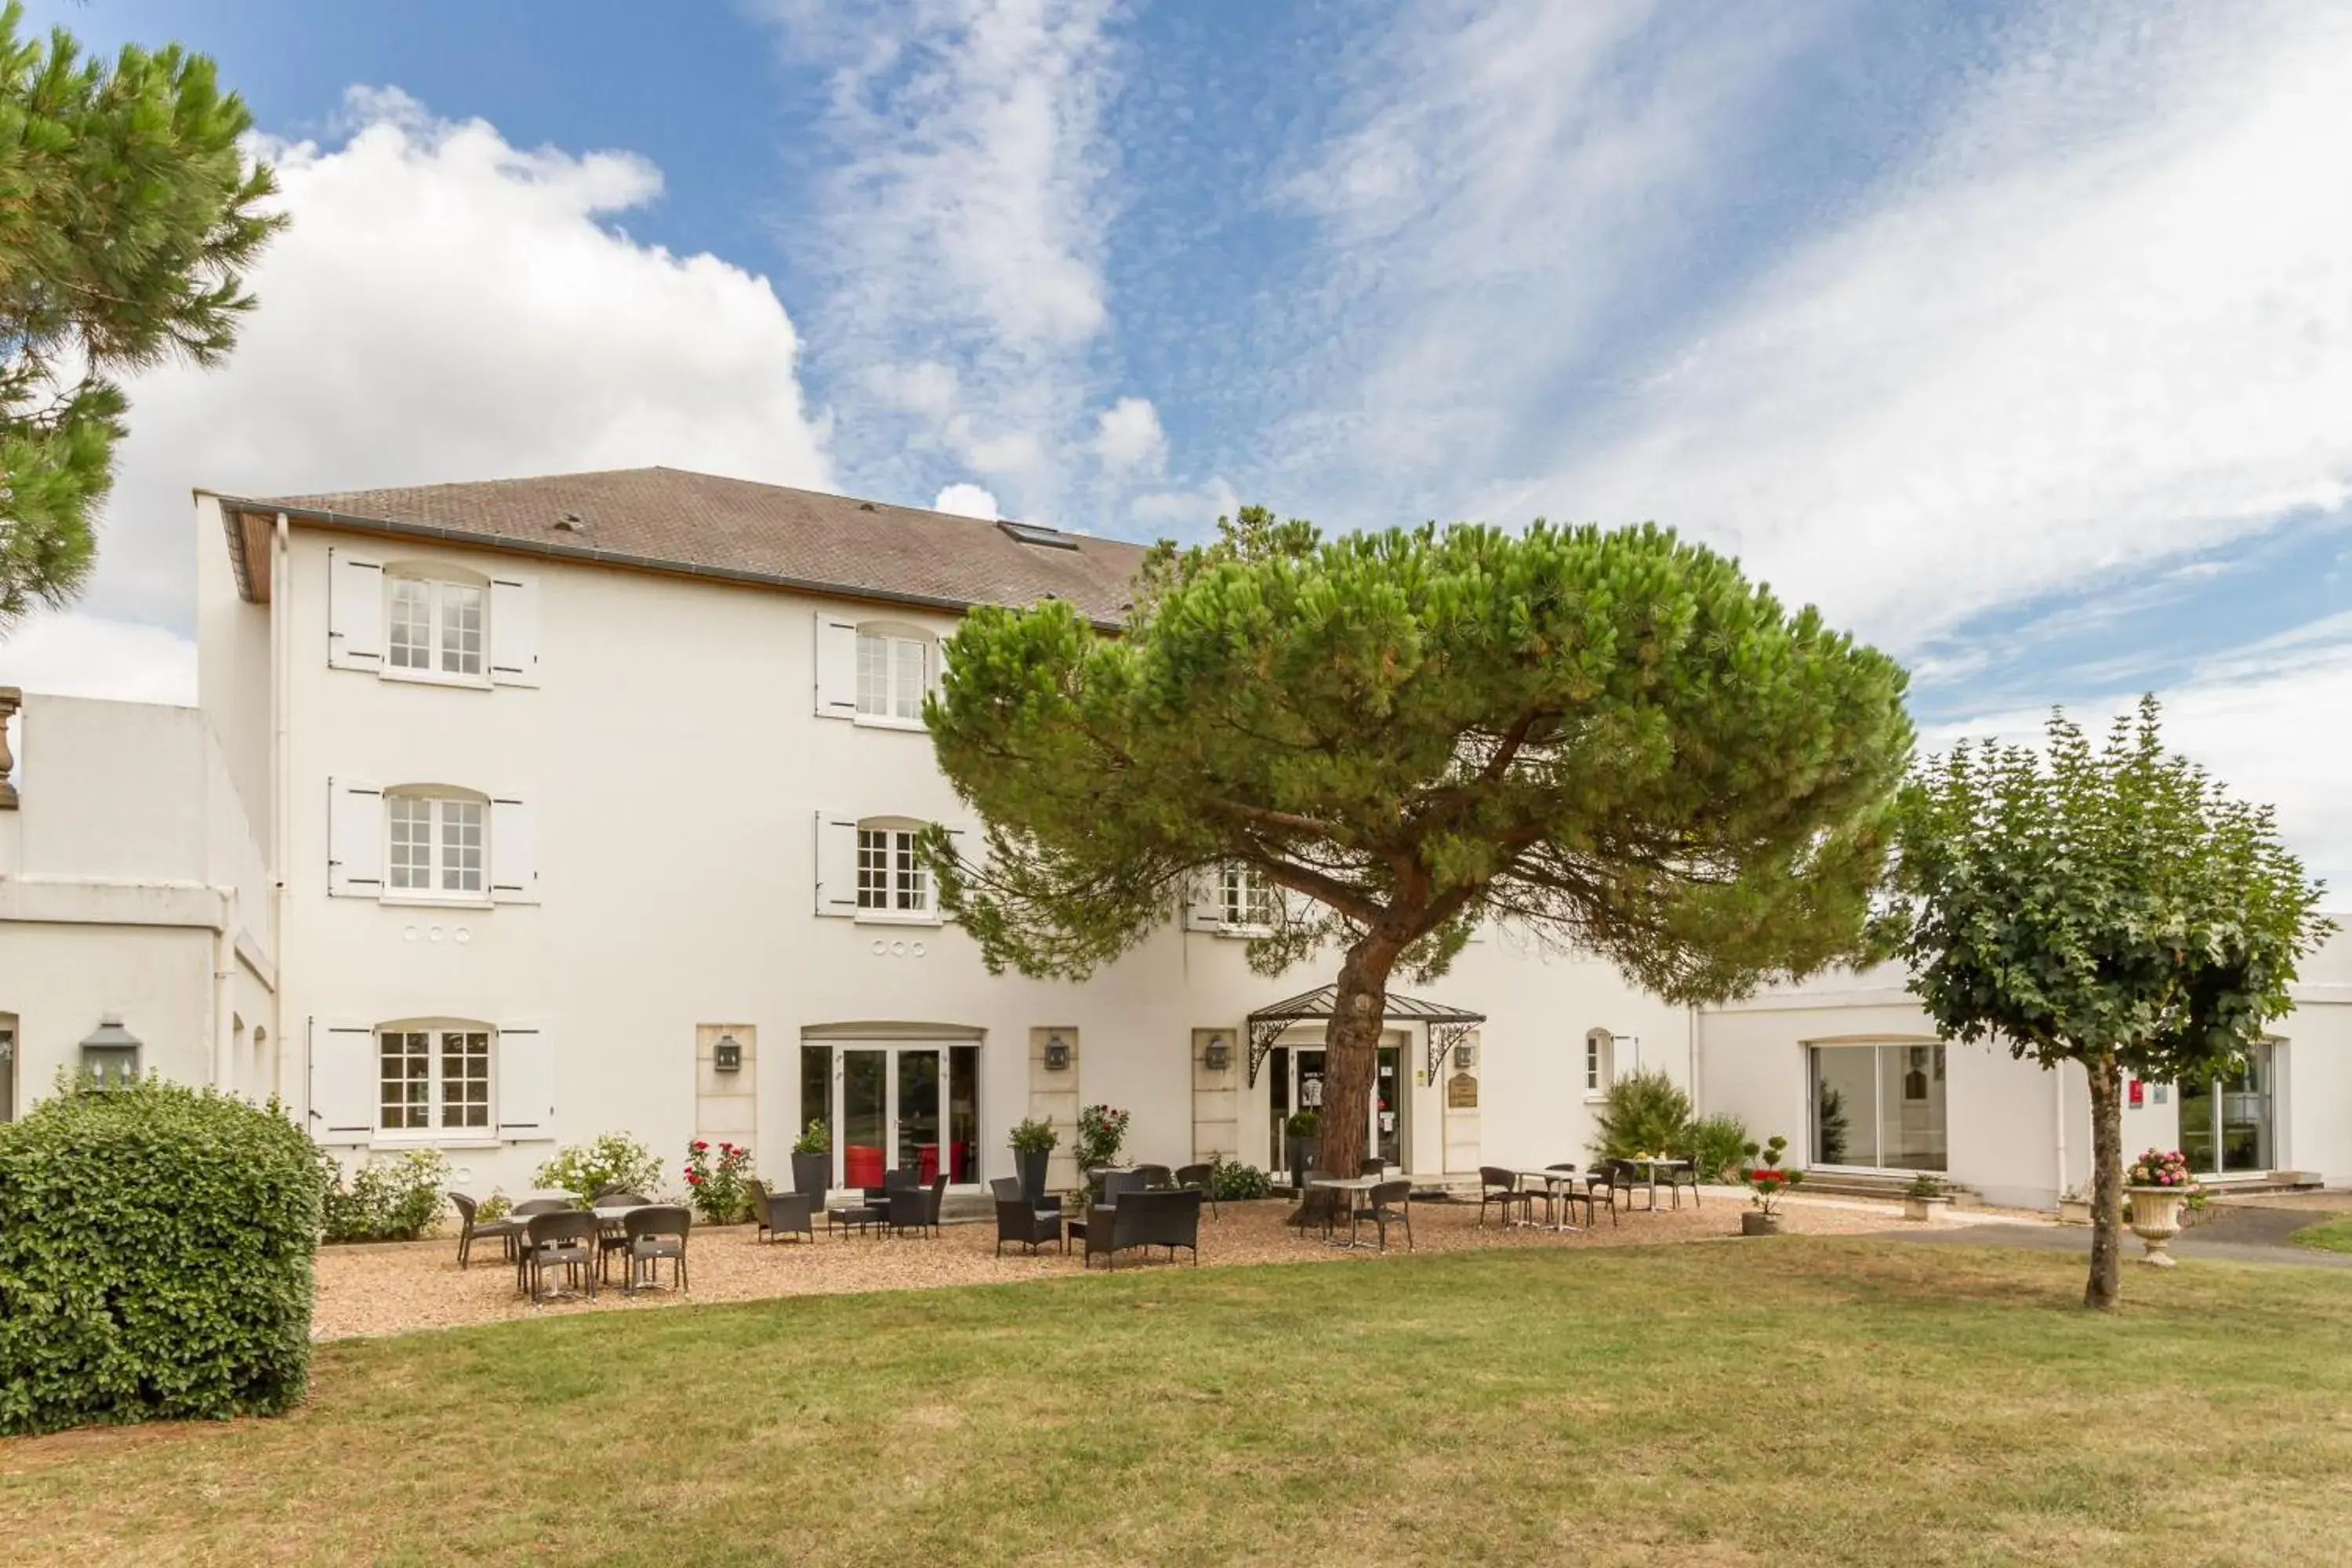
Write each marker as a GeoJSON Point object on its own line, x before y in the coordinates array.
{"type": "Point", "coordinates": [1204, 904]}
{"type": "Point", "coordinates": [514, 851]}
{"type": "Point", "coordinates": [354, 610]}
{"type": "Point", "coordinates": [526, 1083]}
{"type": "Point", "coordinates": [514, 631]}
{"type": "Point", "coordinates": [836, 667]}
{"type": "Point", "coordinates": [354, 838]}
{"type": "Point", "coordinates": [837, 864]}
{"type": "Point", "coordinates": [343, 1083]}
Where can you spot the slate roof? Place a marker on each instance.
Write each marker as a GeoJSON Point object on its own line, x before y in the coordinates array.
{"type": "Point", "coordinates": [671, 519]}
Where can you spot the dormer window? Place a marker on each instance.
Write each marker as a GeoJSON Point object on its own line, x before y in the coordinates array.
{"type": "Point", "coordinates": [431, 620]}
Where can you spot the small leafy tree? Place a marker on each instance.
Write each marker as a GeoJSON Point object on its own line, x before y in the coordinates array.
{"type": "Point", "coordinates": [1646, 1113]}
{"type": "Point", "coordinates": [1610, 737]}
{"type": "Point", "coordinates": [129, 213]}
{"type": "Point", "coordinates": [2108, 906]}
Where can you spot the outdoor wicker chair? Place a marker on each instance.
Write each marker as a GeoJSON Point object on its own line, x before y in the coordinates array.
{"type": "Point", "coordinates": [1117, 1184]}
{"type": "Point", "coordinates": [1019, 1220]}
{"type": "Point", "coordinates": [506, 1232]}
{"type": "Point", "coordinates": [1199, 1179]}
{"type": "Point", "coordinates": [617, 1198]}
{"type": "Point", "coordinates": [1677, 1177]}
{"type": "Point", "coordinates": [1320, 1205]}
{"type": "Point", "coordinates": [1370, 1167]}
{"type": "Point", "coordinates": [1568, 1193]}
{"type": "Point", "coordinates": [565, 1240]}
{"type": "Point", "coordinates": [1156, 1178]}
{"type": "Point", "coordinates": [1389, 1203]}
{"type": "Point", "coordinates": [776, 1215]}
{"type": "Point", "coordinates": [1500, 1188]}
{"type": "Point", "coordinates": [521, 1215]}
{"type": "Point", "coordinates": [656, 1231]}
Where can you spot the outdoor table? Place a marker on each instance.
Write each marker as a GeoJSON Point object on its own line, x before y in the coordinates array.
{"type": "Point", "coordinates": [1350, 1185]}
{"type": "Point", "coordinates": [1651, 1169]}
{"type": "Point", "coordinates": [1553, 1181]}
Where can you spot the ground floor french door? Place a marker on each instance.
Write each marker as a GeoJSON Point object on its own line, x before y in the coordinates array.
{"type": "Point", "coordinates": [1295, 1082]}
{"type": "Point", "coordinates": [1879, 1106]}
{"type": "Point", "coordinates": [895, 1107]}
{"type": "Point", "coordinates": [2226, 1123]}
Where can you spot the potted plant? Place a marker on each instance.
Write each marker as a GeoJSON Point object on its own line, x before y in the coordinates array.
{"type": "Point", "coordinates": [1302, 1137]}
{"type": "Point", "coordinates": [812, 1162]}
{"type": "Point", "coordinates": [2160, 1182]}
{"type": "Point", "coordinates": [1766, 1183]}
{"type": "Point", "coordinates": [1925, 1198]}
{"type": "Point", "coordinates": [1033, 1143]}
{"type": "Point", "coordinates": [2073, 1208]}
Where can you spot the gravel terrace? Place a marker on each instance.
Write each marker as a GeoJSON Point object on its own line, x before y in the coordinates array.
{"type": "Point", "coordinates": [399, 1288]}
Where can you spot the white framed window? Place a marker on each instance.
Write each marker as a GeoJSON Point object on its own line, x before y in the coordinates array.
{"type": "Point", "coordinates": [433, 1079]}
{"type": "Point", "coordinates": [437, 845]}
{"type": "Point", "coordinates": [436, 627]}
{"type": "Point", "coordinates": [1600, 1061]}
{"type": "Point", "coordinates": [890, 881]}
{"type": "Point", "coordinates": [893, 673]}
{"type": "Point", "coordinates": [1245, 897]}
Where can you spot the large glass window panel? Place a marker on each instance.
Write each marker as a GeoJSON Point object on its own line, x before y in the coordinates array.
{"type": "Point", "coordinates": [461, 629]}
{"type": "Point", "coordinates": [1911, 1107]}
{"type": "Point", "coordinates": [816, 1089]}
{"type": "Point", "coordinates": [409, 624]}
{"type": "Point", "coordinates": [410, 853]}
{"type": "Point", "coordinates": [963, 1113]}
{"type": "Point", "coordinates": [865, 1117]}
{"type": "Point", "coordinates": [1845, 1101]}
{"type": "Point", "coordinates": [918, 1113]}
{"type": "Point", "coordinates": [404, 1064]}
{"type": "Point", "coordinates": [1387, 1107]}
{"type": "Point", "coordinates": [1277, 1106]}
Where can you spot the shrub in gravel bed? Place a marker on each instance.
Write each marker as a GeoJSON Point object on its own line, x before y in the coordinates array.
{"type": "Point", "coordinates": [383, 1199]}
{"type": "Point", "coordinates": [155, 1250]}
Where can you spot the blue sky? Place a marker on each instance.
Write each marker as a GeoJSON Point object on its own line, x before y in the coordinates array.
{"type": "Point", "coordinates": [2017, 336]}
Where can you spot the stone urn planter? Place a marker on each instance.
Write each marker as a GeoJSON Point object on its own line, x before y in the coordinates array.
{"type": "Point", "coordinates": [2156, 1220]}
{"type": "Point", "coordinates": [1754, 1222]}
{"type": "Point", "coordinates": [1926, 1210]}
{"type": "Point", "coordinates": [2073, 1210]}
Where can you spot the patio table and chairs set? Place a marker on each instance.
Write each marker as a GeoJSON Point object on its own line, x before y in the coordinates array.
{"type": "Point", "coordinates": [1146, 1207]}
{"type": "Point", "coordinates": [547, 1235]}
{"type": "Point", "coordinates": [1561, 1187]}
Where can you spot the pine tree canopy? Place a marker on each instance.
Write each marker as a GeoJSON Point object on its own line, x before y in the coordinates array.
{"type": "Point", "coordinates": [127, 212]}
{"type": "Point", "coordinates": [1609, 736]}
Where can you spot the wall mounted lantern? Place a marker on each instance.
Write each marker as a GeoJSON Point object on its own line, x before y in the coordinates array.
{"type": "Point", "coordinates": [109, 1053]}
{"type": "Point", "coordinates": [1057, 1054]}
{"type": "Point", "coordinates": [1217, 1055]}
{"type": "Point", "coordinates": [726, 1056]}
{"type": "Point", "coordinates": [1465, 1056]}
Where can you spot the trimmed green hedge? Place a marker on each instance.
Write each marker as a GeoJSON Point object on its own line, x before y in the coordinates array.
{"type": "Point", "coordinates": [155, 1250]}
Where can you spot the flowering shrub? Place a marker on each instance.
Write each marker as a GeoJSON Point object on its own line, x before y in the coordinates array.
{"type": "Point", "coordinates": [1762, 1175]}
{"type": "Point", "coordinates": [612, 1159]}
{"type": "Point", "coordinates": [382, 1200]}
{"type": "Point", "coordinates": [719, 1189]}
{"type": "Point", "coordinates": [1102, 1134]}
{"type": "Point", "coordinates": [2160, 1168]}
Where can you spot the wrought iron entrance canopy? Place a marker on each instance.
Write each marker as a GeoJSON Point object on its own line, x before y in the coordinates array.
{"type": "Point", "coordinates": [1445, 1024]}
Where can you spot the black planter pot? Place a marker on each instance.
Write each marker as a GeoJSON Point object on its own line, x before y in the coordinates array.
{"type": "Point", "coordinates": [813, 1173]}
{"type": "Point", "coordinates": [1300, 1152]}
{"type": "Point", "coordinates": [1030, 1163]}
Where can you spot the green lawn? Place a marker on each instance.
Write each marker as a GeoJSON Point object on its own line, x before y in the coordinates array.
{"type": "Point", "coordinates": [2329, 1234]}
{"type": "Point", "coordinates": [1786, 1402]}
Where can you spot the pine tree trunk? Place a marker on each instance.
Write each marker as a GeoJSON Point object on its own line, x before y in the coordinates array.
{"type": "Point", "coordinates": [1351, 1054]}
{"type": "Point", "coordinates": [2105, 1288]}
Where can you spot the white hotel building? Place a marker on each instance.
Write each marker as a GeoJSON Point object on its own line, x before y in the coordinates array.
{"type": "Point", "coordinates": [584, 804]}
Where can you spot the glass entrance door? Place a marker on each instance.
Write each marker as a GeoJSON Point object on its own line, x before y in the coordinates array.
{"type": "Point", "coordinates": [1879, 1108]}
{"type": "Point", "coordinates": [1296, 1083]}
{"type": "Point", "coordinates": [888, 1108]}
{"type": "Point", "coordinates": [2226, 1123]}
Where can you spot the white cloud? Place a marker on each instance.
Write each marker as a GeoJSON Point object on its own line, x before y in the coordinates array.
{"type": "Point", "coordinates": [2260, 720]}
{"type": "Point", "coordinates": [967, 500]}
{"type": "Point", "coordinates": [75, 654]}
{"type": "Point", "coordinates": [962, 225]}
{"type": "Point", "coordinates": [1127, 436]}
{"type": "Point", "coordinates": [447, 306]}
{"type": "Point", "coordinates": [1188, 512]}
{"type": "Point", "coordinates": [2106, 318]}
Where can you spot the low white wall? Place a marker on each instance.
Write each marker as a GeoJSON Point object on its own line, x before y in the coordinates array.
{"type": "Point", "coordinates": [61, 980]}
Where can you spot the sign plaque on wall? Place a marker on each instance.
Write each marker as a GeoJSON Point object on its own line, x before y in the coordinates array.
{"type": "Point", "coordinates": [1461, 1092]}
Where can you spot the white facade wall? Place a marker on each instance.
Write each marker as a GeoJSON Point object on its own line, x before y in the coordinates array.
{"type": "Point", "coordinates": [673, 770]}
{"type": "Point", "coordinates": [132, 889]}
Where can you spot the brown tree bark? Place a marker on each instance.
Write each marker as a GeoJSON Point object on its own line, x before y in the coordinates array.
{"type": "Point", "coordinates": [2105, 1288]}
{"type": "Point", "coordinates": [1350, 1054]}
